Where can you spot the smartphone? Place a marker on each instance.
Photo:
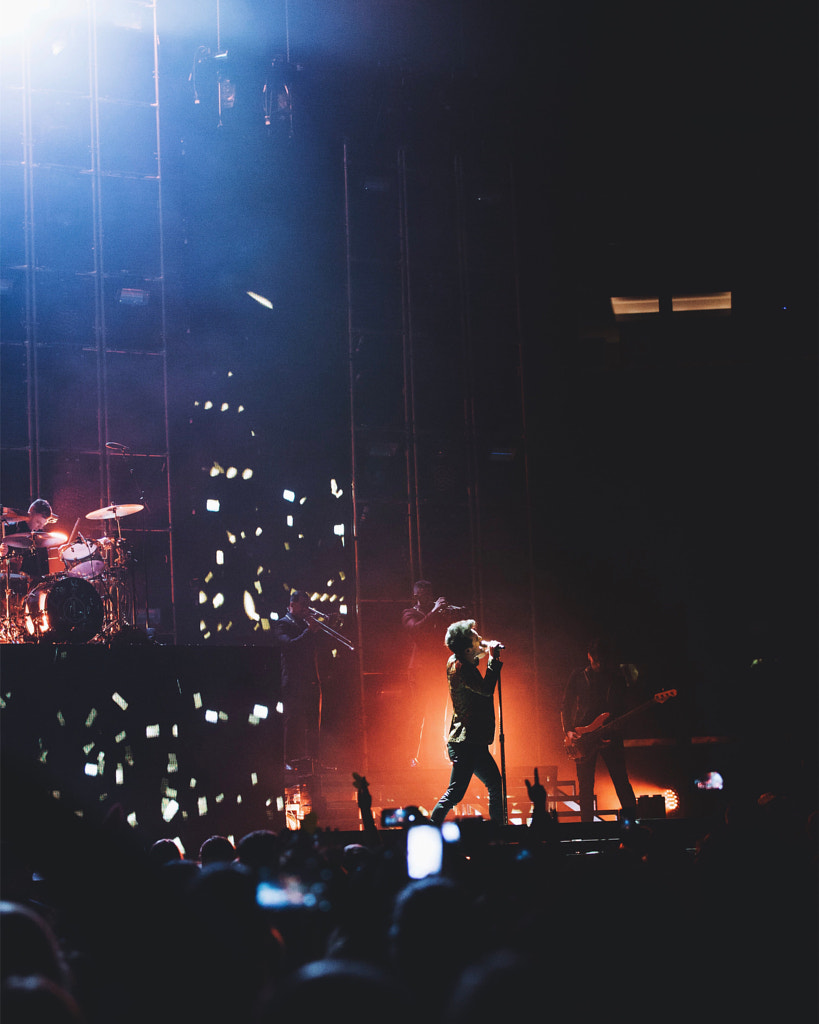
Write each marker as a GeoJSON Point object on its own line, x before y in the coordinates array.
{"type": "Point", "coordinates": [393, 817]}
{"type": "Point", "coordinates": [279, 895]}
{"type": "Point", "coordinates": [425, 851]}
{"type": "Point", "coordinates": [400, 817]}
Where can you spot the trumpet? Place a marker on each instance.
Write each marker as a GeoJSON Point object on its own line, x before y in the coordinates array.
{"type": "Point", "coordinates": [319, 617]}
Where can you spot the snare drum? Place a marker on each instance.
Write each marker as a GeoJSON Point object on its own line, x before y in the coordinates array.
{"type": "Point", "coordinates": [83, 559]}
{"type": "Point", "coordinates": [63, 610]}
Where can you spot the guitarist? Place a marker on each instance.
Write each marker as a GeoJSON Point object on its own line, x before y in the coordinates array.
{"type": "Point", "coordinates": [599, 688]}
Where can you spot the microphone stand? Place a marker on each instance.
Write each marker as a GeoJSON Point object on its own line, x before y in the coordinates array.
{"type": "Point", "coordinates": [502, 741]}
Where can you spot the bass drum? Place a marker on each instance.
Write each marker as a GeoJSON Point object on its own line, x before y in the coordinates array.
{"type": "Point", "coordinates": [63, 610]}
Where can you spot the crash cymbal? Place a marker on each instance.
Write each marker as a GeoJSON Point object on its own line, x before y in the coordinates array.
{"type": "Point", "coordinates": [8, 515]}
{"type": "Point", "coordinates": [36, 539]}
{"type": "Point", "coordinates": [115, 511]}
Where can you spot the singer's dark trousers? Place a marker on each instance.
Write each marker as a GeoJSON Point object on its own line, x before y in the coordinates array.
{"type": "Point", "coordinates": [470, 759]}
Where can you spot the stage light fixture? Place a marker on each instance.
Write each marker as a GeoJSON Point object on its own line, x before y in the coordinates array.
{"type": "Point", "coordinates": [133, 297]}
{"type": "Point", "coordinates": [277, 98]}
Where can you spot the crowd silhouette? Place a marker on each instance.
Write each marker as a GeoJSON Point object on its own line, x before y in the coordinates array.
{"type": "Point", "coordinates": [100, 925]}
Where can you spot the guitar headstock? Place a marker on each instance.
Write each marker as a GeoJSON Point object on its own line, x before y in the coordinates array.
{"type": "Point", "coordinates": [661, 698]}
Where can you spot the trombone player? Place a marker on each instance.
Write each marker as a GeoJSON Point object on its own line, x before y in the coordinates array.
{"type": "Point", "coordinates": [323, 620]}
{"type": "Point", "coordinates": [295, 635]}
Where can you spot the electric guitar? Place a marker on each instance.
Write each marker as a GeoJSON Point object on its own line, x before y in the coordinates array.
{"type": "Point", "coordinates": [596, 734]}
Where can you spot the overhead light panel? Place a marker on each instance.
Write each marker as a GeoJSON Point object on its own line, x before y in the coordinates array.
{"type": "Point", "coordinates": [640, 305]}
{"type": "Point", "coordinates": [703, 300]}
{"type": "Point", "coordinates": [635, 305]}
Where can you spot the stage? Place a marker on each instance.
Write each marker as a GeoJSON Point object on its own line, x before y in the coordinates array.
{"type": "Point", "coordinates": [185, 742]}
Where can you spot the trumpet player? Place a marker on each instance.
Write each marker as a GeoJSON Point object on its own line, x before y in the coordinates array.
{"type": "Point", "coordinates": [296, 634]}
{"type": "Point", "coordinates": [424, 625]}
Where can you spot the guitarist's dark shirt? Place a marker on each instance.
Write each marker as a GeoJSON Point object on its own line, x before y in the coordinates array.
{"type": "Point", "coordinates": [588, 694]}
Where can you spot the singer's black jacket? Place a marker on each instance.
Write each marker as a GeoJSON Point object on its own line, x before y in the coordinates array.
{"type": "Point", "coordinates": [473, 701]}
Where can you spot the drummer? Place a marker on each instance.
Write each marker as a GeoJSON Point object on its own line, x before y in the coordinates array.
{"type": "Point", "coordinates": [34, 563]}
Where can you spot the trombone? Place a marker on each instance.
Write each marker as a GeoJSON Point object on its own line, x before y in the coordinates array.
{"type": "Point", "coordinates": [319, 617]}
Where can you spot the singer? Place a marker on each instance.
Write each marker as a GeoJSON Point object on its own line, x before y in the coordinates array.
{"type": "Point", "coordinates": [472, 728]}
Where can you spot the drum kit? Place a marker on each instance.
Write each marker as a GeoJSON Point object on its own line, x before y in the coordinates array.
{"type": "Point", "coordinates": [89, 599]}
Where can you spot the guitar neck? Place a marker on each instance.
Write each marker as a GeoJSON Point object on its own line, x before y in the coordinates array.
{"type": "Point", "coordinates": [611, 726]}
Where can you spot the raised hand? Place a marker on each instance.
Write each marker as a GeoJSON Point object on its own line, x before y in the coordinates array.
{"type": "Point", "coordinates": [364, 800]}
{"type": "Point", "coordinates": [537, 792]}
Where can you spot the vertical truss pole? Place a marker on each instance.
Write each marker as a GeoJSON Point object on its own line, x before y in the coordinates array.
{"type": "Point", "coordinates": [163, 330]}
{"type": "Point", "coordinates": [410, 413]}
{"type": "Point", "coordinates": [353, 458]}
{"type": "Point", "coordinates": [32, 384]}
{"type": "Point", "coordinates": [100, 334]}
{"type": "Point", "coordinates": [470, 430]}
{"type": "Point", "coordinates": [526, 473]}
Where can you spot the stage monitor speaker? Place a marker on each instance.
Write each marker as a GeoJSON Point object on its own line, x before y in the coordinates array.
{"type": "Point", "coordinates": [650, 807]}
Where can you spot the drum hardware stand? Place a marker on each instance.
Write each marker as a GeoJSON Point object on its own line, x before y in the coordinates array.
{"type": "Point", "coordinates": [11, 631]}
{"type": "Point", "coordinates": [123, 451]}
{"type": "Point", "coordinates": [113, 588]}
{"type": "Point", "coordinates": [5, 632]}
{"type": "Point", "coordinates": [116, 601]}
{"type": "Point", "coordinates": [9, 634]}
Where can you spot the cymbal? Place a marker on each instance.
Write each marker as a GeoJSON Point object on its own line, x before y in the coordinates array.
{"type": "Point", "coordinates": [8, 515]}
{"type": "Point", "coordinates": [115, 511]}
{"type": "Point", "coordinates": [37, 539]}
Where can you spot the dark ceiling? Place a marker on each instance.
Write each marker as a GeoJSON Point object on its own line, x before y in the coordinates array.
{"type": "Point", "coordinates": [652, 142]}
